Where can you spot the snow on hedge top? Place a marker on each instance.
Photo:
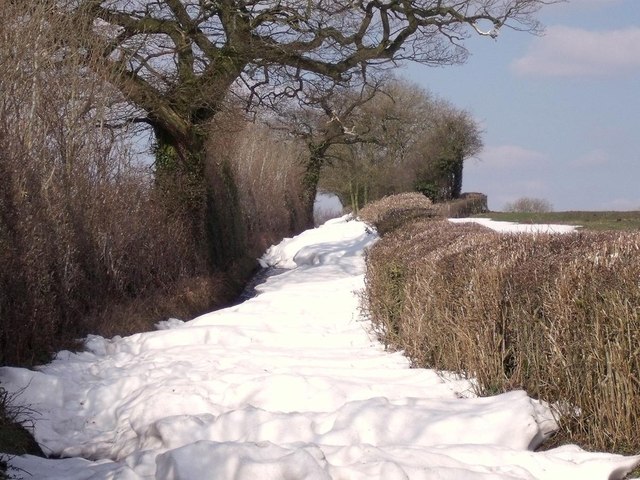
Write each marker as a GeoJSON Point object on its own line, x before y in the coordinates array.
{"type": "Point", "coordinates": [290, 384]}
{"type": "Point", "coordinates": [512, 227]}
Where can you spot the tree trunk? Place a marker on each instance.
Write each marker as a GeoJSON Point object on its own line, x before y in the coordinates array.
{"type": "Point", "coordinates": [310, 182]}
{"type": "Point", "coordinates": [353, 192]}
{"type": "Point", "coordinates": [203, 193]}
{"type": "Point", "coordinates": [226, 234]}
{"type": "Point", "coordinates": [457, 177]}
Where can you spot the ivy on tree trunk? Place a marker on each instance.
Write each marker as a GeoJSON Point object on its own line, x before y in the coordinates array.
{"type": "Point", "coordinates": [203, 192]}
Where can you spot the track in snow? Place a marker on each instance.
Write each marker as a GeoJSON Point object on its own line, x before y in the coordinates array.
{"type": "Point", "coordinates": [290, 384]}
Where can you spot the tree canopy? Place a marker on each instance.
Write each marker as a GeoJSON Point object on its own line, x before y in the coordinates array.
{"type": "Point", "coordinates": [178, 59]}
{"type": "Point", "coordinates": [403, 138]}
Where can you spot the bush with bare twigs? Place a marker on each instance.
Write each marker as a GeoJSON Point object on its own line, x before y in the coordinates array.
{"type": "Point", "coordinates": [466, 205]}
{"type": "Point", "coordinates": [528, 204]}
{"type": "Point", "coordinates": [267, 169]}
{"type": "Point", "coordinates": [554, 315]}
{"type": "Point", "coordinates": [90, 242]}
{"type": "Point", "coordinates": [15, 423]}
{"type": "Point", "coordinates": [81, 226]}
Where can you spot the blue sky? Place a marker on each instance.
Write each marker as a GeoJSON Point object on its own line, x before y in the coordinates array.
{"type": "Point", "coordinates": [561, 112]}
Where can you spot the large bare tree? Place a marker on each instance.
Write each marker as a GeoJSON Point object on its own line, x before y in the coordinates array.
{"type": "Point", "coordinates": [178, 60]}
{"type": "Point", "coordinates": [323, 118]}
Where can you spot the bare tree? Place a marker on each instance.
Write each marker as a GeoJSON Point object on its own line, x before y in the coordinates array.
{"type": "Point", "coordinates": [324, 118]}
{"type": "Point", "coordinates": [178, 60]}
{"type": "Point", "coordinates": [394, 118]}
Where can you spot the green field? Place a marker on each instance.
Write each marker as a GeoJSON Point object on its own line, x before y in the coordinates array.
{"type": "Point", "coordinates": [629, 221]}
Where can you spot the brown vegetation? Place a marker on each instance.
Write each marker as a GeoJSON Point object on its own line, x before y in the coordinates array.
{"type": "Point", "coordinates": [466, 205]}
{"type": "Point", "coordinates": [401, 138]}
{"type": "Point", "coordinates": [267, 170]}
{"type": "Point", "coordinates": [15, 424]}
{"type": "Point", "coordinates": [390, 212]}
{"type": "Point", "coordinates": [90, 242]}
{"type": "Point", "coordinates": [555, 315]}
{"type": "Point", "coordinates": [79, 223]}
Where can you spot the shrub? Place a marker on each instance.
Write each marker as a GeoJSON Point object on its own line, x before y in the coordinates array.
{"type": "Point", "coordinates": [88, 241]}
{"type": "Point", "coordinates": [529, 205]}
{"type": "Point", "coordinates": [268, 171]}
{"type": "Point", "coordinates": [555, 315]}
{"type": "Point", "coordinates": [390, 212]}
{"type": "Point", "coordinates": [467, 205]}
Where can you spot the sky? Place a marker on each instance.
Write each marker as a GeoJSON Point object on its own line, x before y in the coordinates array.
{"type": "Point", "coordinates": [560, 112]}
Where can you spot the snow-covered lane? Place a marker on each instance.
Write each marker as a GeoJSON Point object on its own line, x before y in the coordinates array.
{"type": "Point", "coordinates": [288, 385]}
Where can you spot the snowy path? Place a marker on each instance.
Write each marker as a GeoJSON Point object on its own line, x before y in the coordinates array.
{"type": "Point", "coordinates": [288, 385]}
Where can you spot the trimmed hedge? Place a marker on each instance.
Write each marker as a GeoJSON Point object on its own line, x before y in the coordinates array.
{"type": "Point", "coordinates": [556, 315]}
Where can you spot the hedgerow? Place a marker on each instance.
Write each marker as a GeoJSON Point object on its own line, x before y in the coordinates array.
{"type": "Point", "coordinates": [555, 315]}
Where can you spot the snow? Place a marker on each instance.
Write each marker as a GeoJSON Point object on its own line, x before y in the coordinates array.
{"type": "Point", "coordinates": [290, 384]}
{"type": "Point", "coordinates": [512, 227]}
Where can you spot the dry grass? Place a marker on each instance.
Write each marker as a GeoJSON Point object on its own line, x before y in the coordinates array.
{"type": "Point", "coordinates": [185, 299]}
{"type": "Point", "coordinates": [15, 424]}
{"type": "Point", "coordinates": [555, 315]}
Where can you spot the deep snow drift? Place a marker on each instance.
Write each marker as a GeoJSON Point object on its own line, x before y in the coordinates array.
{"type": "Point", "coordinates": [288, 385]}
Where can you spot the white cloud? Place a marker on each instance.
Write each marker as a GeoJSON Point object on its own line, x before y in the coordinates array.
{"type": "Point", "coordinates": [571, 7]}
{"type": "Point", "coordinates": [509, 156]}
{"type": "Point", "coordinates": [594, 158]}
{"type": "Point", "coordinates": [567, 51]}
{"type": "Point", "coordinates": [577, 4]}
